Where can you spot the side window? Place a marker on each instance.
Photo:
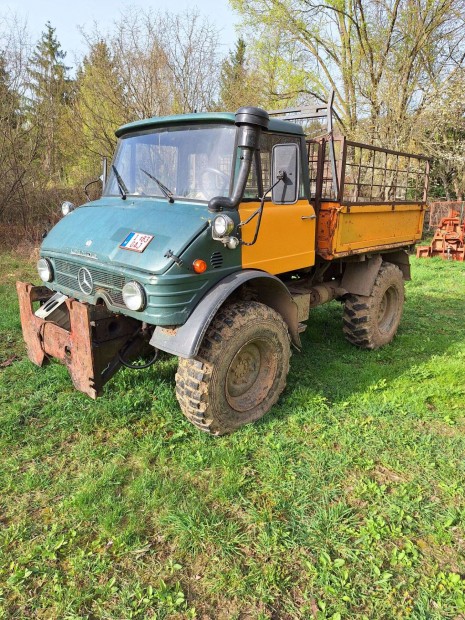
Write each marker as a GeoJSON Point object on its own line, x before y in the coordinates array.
{"type": "Point", "coordinates": [266, 146]}
{"type": "Point", "coordinates": [252, 190]}
{"type": "Point", "coordinates": [267, 141]}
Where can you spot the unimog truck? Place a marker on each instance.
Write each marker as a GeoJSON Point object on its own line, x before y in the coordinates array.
{"type": "Point", "coordinates": [214, 236]}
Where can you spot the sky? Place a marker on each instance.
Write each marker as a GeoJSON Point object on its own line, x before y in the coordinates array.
{"type": "Point", "coordinates": [67, 16]}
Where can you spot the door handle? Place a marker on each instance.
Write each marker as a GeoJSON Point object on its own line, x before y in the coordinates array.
{"type": "Point", "coordinates": [308, 217]}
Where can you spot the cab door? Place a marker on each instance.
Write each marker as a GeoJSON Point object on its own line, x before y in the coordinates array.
{"type": "Point", "coordinates": [286, 240]}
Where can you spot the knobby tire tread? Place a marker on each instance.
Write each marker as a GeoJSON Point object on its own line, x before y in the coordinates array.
{"type": "Point", "coordinates": [359, 320]}
{"type": "Point", "coordinates": [193, 378]}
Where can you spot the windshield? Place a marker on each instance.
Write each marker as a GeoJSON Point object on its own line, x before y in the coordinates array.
{"type": "Point", "coordinates": [188, 161]}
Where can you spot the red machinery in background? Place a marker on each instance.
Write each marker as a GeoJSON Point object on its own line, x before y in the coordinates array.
{"type": "Point", "coordinates": [449, 239]}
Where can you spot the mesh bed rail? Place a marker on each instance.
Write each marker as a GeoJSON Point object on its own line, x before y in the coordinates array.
{"type": "Point", "coordinates": [365, 174]}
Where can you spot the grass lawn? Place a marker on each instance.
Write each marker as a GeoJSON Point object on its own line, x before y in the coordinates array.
{"type": "Point", "coordinates": [346, 501]}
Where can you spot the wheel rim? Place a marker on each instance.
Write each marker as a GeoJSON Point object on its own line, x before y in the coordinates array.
{"type": "Point", "coordinates": [250, 375]}
{"type": "Point", "coordinates": [387, 309]}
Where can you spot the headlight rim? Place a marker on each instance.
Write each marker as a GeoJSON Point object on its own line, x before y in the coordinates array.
{"type": "Point", "coordinates": [48, 265]}
{"type": "Point", "coordinates": [228, 226]}
{"type": "Point", "coordinates": [139, 307]}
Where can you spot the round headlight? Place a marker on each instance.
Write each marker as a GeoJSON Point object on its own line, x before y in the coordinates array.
{"type": "Point", "coordinates": [67, 207]}
{"type": "Point", "coordinates": [45, 269]}
{"type": "Point", "coordinates": [134, 296]}
{"type": "Point", "coordinates": [222, 225]}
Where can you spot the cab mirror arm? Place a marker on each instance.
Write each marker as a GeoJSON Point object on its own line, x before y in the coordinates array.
{"type": "Point", "coordinates": [281, 176]}
{"type": "Point", "coordinates": [89, 184]}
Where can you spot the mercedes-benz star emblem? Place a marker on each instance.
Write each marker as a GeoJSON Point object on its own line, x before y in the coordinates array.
{"type": "Point", "coordinates": [85, 281]}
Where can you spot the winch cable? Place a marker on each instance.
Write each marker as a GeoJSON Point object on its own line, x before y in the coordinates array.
{"type": "Point", "coordinates": [126, 364]}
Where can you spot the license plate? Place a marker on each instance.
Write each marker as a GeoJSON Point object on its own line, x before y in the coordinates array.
{"type": "Point", "coordinates": [137, 242]}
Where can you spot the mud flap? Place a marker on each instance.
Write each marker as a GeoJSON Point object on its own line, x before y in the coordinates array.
{"type": "Point", "coordinates": [89, 348]}
{"type": "Point", "coordinates": [359, 277]}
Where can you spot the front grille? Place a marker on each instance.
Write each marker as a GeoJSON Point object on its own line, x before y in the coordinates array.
{"type": "Point", "coordinates": [64, 280]}
{"type": "Point", "coordinates": [117, 298]}
{"type": "Point", "coordinates": [66, 274]}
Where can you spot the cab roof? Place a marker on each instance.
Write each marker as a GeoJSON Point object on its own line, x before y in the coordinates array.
{"type": "Point", "coordinates": [204, 117]}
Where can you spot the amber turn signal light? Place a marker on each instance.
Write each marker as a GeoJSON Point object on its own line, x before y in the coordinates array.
{"type": "Point", "coordinates": [199, 265]}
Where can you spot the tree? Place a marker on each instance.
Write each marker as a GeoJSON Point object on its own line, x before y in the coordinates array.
{"type": "Point", "coordinates": [10, 144]}
{"type": "Point", "coordinates": [50, 90]}
{"type": "Point", "coordinates": [140, 65]}
{"type": "Point", "coordinates": [9, 98]}
{"type": "Point", "coordinates": [383, 58]}
{"type": "Point", "coordinates": [277, 70]}
{"type": "Point", "coordinates": [98, 108]}
{"type": "Point", "coordinates": [190, 44]}
{"type": "Point", "coordinates": [236, 82]}
{"type": "Point", "coordinates": [165, 63]}
{"type": "Point", "coordinates": [442, 138]}
{"type": "Point", "coordinates": [18, 143]}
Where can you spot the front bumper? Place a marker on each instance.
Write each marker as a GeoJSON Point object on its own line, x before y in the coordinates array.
{"type": "Point", "coordinates": [89, 347]}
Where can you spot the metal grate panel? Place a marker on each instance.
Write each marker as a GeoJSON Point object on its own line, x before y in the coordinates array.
{"type": "Point", "coordinates": [117, 298]}
{"type": "Point", "coordinates": [66, 274]}
{"type": "Point", "coordinates": [216, 260]}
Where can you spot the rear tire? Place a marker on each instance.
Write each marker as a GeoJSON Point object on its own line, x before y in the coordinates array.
{"type": "Point", "coordinates": [240, 370]}
{"type": "Point", "coordinates": [372, 321]}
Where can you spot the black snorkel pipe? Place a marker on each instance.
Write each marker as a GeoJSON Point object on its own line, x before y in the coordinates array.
{"type": "Point", "coordinates": [250, 122]}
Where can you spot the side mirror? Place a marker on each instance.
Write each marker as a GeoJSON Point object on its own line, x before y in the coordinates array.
{"type": "Point", "coordinates": [285, 166]}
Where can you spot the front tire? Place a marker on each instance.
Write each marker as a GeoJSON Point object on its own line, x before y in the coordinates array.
{"type": "Point", "coordinates": [371, 321]}
{"type": "Point", "coordinates": [240, 370]}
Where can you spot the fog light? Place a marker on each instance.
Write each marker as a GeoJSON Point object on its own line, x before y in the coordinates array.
{"type": "Point", "coordinates": [134, 296]}
{"type": "Point", "coordinates": [45, 269]}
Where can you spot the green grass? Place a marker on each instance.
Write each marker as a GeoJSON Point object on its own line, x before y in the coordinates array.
{"type": "Point", "coordinates": [346, 501]}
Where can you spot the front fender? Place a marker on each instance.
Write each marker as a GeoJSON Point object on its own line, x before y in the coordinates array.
{"type": "Point", "coordinates": [184, 341]}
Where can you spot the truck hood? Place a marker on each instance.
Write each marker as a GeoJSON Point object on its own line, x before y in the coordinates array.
{"type": "Point", "coordinates": [96, 230]}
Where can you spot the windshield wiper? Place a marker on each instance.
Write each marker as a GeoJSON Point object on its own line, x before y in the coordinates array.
{"type": "Point", "coordinates": [166, 192]}
{"type": "Point", "coordinates": [123, 190]}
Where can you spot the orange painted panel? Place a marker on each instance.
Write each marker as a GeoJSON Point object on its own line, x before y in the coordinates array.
{"type": "Point", "coordinates": [343, 230]}
{"type": "Point", "coordinates": [286, 242]}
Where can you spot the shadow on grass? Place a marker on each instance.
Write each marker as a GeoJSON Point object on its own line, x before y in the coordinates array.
{"type": "Point", "coordinates": [330, 367]}
{"type": "Point", "coordinates": [337, 370]}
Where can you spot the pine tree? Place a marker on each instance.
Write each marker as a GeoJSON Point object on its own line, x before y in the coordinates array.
{"type": "Point", "coordinates": [236, 88]}
{"type": "Point", "coordinates": [50, 89]}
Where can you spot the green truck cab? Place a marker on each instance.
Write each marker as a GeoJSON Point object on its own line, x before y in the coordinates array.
{"type": "Point", "coordinates": [205, 244]}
